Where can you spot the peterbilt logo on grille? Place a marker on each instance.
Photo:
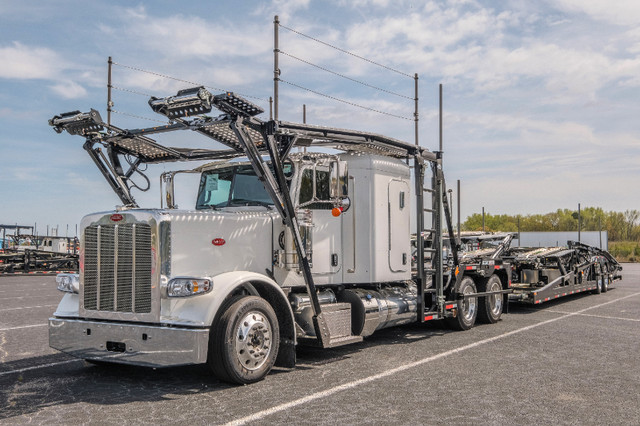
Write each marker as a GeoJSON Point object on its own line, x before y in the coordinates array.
{"type": "Point", "coordinates": [218, 241]}
{"type": "Point", "coordinates": [116, 217]}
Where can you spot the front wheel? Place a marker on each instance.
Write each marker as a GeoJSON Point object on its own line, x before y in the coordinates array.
{"type": "Point", "coordinates": [467, 308]}
{"type": "Point", "coordinates": [491, 306]}
{"type": "Point", "coordinates": [244, 342]}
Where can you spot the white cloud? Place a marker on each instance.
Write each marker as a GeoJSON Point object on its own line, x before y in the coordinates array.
{"type": "Point", "coordinates": [619, 12]}
{"type": "Point", "coordinates": [26, 62]}
{"type": "Point", "coordinates": [180, 36]}
{"type": "Point", "coordinates": [69, 90]}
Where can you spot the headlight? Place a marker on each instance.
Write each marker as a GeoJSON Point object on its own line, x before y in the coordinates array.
{"type": "Point", "coordinates": [187, 286]}
{"type": "Point", "coordinates": [69, 283]}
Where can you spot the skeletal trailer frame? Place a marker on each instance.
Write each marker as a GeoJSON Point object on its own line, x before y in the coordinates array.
{"type": "Point", "coordinates": [245, 135]}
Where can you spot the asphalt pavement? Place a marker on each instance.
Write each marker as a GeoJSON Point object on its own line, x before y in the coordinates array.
{"type": "Point", "coordinates": [571, 361]}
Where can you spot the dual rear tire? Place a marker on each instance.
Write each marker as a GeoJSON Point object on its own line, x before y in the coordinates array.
{"type": "Point", "coordinates": [491, 306]}
{"type": "Point", "coordinates": [487, 309]}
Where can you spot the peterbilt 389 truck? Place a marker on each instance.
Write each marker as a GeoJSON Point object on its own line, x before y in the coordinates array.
{"type": "Point", "coordinates": [300, 235]}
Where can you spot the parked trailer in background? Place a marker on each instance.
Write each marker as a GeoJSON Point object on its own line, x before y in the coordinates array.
{"type": "Point", "coordinates": [547, 273]}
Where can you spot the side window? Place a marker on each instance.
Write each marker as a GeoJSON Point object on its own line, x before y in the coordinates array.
{"type": "Point", "coordinates": [322, 192]}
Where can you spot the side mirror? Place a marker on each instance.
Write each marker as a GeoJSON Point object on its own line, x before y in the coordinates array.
{"type": "Point", "coordinates": [339, 173]}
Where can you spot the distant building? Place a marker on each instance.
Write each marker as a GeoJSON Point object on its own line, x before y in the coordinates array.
{"type": "Point", "coordinates": [559, 239]}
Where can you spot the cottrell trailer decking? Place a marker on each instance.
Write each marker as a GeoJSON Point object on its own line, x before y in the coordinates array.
{"type": "Point", "coordinates": [547, 273]}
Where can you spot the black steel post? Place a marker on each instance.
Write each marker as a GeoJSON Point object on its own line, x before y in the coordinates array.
{"type": "Point", "coordinates": [109, 102]}
{"type": "Point", "coordinates": [276, 70]}
{"type": "Point", "coordinates": [440, 125]}
{"type": "Point", "coordinates": [600, 230]}
{"type": "Point", "coordinates": [415, 113]}
{"type": "Point", "coordinates": [458, 210]}
{"type": "Point", "coordinates": [483, 219]}
{"type": "Point", "coordinates": [579, 222]}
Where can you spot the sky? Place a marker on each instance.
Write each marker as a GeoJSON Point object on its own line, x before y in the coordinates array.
{"type": "Point", "coordinates": [540, 99]}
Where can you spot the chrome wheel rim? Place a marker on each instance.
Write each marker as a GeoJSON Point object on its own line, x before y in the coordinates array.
{"type": "Point", "coordinates": [495, 300]}
{"type": "Point", "coordinates": [253, 340]}
{"type": "Point", "coordinates": [469, 305]}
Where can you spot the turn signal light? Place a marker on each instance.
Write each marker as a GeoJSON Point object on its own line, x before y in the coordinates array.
{"type": "Point", "coordinates": [186, 286]}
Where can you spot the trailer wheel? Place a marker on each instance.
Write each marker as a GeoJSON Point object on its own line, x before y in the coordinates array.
{"type": "Point", "coordinates": [605, 283]}
{"type": "Point", "coordinates": [244, 342]}
{"type": "Point", "coordinates": [467, 308]}
{"type": "Point", "coordinates": [490, 308]}
{"type": "Point", "coordinates": [599, 281]}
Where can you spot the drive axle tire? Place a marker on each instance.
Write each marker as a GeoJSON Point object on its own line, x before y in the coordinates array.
{"type": "Point", "coordinates": [491, 306]}
{"type": "Point", "coordinates": [244, 342]}
{"type": "Point", "coordinates": [467, 309]}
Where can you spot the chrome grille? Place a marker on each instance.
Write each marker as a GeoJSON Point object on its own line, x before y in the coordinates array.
{"type": "Point", "coordinates": [117, 268]}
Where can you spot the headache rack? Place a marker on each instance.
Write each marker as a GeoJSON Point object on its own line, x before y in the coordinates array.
{"type": "Point", "coordinates": [243, 134]}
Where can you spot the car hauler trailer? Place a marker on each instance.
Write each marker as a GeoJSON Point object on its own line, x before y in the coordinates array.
{"type": "Point", "coordinates": [282, 247]}
{"type": "Point", "coordinates": [547, 273]}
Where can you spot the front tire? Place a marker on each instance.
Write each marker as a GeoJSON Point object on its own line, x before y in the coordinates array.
{"type": "Point", "coordinates": [467, 308]}
{"type": "Point", "coordinates": [491, 306]}
{"type": "Point", "coordinates": [244, 342]}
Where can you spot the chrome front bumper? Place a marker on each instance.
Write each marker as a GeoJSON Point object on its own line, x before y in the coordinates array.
{"type": "Point", "coordinates": [149, 346]}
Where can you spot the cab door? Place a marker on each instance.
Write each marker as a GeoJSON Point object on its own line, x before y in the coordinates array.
{"type": "Point", "coordinates": [399, 227]}
{"type": "Point", "coordinates": [314, 194]}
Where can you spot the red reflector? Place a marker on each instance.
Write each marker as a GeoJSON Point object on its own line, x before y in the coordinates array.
{"type": "Point", "coordinates": [218, 242]}
{"type": "Point", "coordinates": [430, 317]}
{"type": "Point", "coordinates": [497, 267]}
{"type": "Point", "coordinates": [468, 268]}
{"type": "Point", "coordinates": [116, 217]}
{"type": "Point", "coordinates": [449, 306]}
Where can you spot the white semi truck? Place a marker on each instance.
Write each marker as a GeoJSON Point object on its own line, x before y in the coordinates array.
{"type": "Point", "coordinates": [282, 248]}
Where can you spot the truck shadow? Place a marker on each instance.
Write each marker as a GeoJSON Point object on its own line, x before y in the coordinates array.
{"type": "Point", "coordinates": [517, 308]}
{"type": "Point", "coordinates": [309, 357]}
{"type": "Point", "coordinates": [62, 380]}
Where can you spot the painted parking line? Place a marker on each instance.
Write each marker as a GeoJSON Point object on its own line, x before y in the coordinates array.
{"type": "Point", "coordinates": [28, 307]}
{"type": "Point", "coordinates": [26, 297]}
{"type": "Point", "coordinates": [600, 316]}
{"type": "Point", "coordinates": [328, 392]}
{"type": "Point", "coordinates": [23, 326]}
{"type": "Point", "coordinates": [35, 367]}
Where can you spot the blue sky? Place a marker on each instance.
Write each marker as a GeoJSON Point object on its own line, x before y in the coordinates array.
{"type": "Point", "coordinates": [541, 99]}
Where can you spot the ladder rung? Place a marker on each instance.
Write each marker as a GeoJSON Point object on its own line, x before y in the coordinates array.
{"type": "Point", "coordinates": [429, 210]}
{"type": "Point", "coordinates": [430, 250]}
{"type": "Point", "coordinates": [429, 190]}
{"type": "Point", "coordinates": [430, 271]}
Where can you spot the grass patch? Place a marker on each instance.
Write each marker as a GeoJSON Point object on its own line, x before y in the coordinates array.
{"type": "Point", "coordinates": [625, 251]}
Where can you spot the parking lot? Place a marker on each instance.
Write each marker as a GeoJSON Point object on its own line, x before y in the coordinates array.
{"type": "Point", "coordinates": [571, 361]}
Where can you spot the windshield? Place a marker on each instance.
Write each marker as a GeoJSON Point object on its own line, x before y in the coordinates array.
{"type": "Point", "coordinates": [234, 186]}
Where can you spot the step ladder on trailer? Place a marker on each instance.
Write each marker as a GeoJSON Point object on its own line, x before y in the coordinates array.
{"type": "Point", "coordinates": [430, 276]}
